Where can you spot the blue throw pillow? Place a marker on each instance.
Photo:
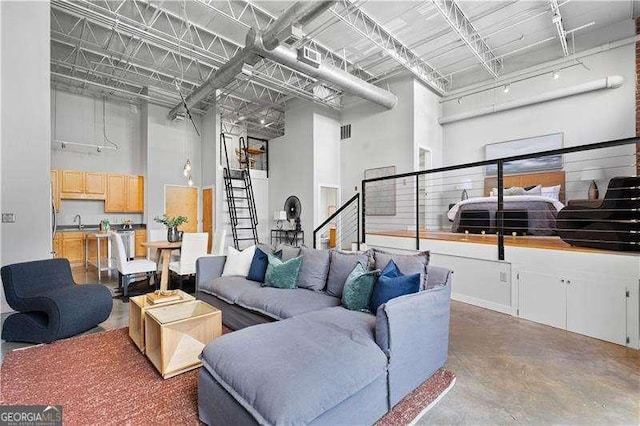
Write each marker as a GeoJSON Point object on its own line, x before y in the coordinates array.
{"type": "Point", "coordinates": [391, 284]}
{"type": "Point", "coordinates": [358, 288]}
{"type": "Point", "coordinates": [282, 274]}
{"type": "Point", "coordinates": [259, 264]}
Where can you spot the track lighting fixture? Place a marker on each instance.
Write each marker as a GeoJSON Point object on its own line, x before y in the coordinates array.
{"type": "Point", "coordinates": [187, 168]}
{"type": "Point", "coordinates": [556, 75]}
{"type": "Point", "coordinates": [459, 101]}
{"type": "Point", "coordinates": [190, 181]}
{"type": "Point", "coordinates": [506, 88]}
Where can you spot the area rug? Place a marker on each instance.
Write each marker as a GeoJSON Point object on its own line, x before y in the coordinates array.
{"type": "Point", "coordinates": [102, 378]}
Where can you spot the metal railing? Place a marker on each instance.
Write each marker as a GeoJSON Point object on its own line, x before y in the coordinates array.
{"type": "Point", "coordinates": [345, 223]}
{"type": "Point", "coordinates": [411, 204]}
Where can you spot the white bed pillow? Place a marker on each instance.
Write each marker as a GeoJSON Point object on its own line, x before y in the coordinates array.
{"type": "Point", "coordinates": [552, 192]}
{"type": "Point", "coordinates": [238, 262]}
{"type": "Point", "coordinates": [514, 190]}
{"type": "Point", "coordinates": [536, 190]}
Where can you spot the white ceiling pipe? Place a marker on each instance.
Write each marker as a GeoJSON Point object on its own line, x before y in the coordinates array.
{"type": "Point", "coordinates": [611, 82]}
{"type": "Point", "coordinates": [345, 81]}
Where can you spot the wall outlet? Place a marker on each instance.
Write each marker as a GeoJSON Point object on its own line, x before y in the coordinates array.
{"type": "Point", "coordinates": [8, 218]}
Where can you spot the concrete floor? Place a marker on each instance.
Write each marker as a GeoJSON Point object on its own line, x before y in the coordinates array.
{"type": "Point", "coordinates": [510, 371]}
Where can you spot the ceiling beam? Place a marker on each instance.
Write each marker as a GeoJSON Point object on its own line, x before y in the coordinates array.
{"type": "Point", "coordinates": [359, 21]}
{"type": "Point", "coordinates": [556, 19]}
{"type": "Point", "coordinates": [467, 32]}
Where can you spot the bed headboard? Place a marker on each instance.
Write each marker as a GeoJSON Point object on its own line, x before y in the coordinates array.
{"type": "Point", "coordinates": [550, 178]}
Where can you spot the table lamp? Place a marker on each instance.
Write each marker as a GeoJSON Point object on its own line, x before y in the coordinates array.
{"type": "Point", "coordinates": [464, 185]}
{"type": "Point", "coordinates": [593, 175]}
{"type": "Point", "coordinates": [279, 217]}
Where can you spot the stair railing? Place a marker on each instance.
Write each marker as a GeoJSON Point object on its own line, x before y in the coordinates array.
{"type": "Point", "coordinates": [347, 225]}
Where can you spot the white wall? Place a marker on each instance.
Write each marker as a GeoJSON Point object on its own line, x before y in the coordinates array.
{"type": "Point", "coordinates": [168, 146]}
{"type": "Point", "coordinates": [79, 118]}
{"type": "Point", "coordinates": [326, 159]}
{"type": "Point", "coordinates": [587, 118]}
{"type": "Point", "coordinates": [291, 165]}
{"type": "Point", "coordinates": [25, 131]}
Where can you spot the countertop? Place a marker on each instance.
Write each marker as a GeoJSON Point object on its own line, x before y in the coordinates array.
{"type": "Point", "coordinates": [96, 228]}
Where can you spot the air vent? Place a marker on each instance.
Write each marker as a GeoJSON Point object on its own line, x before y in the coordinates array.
{"type": "Point", "coordinates": [345, 131]}
{"type": "Point", "coordinates": [309, 56]}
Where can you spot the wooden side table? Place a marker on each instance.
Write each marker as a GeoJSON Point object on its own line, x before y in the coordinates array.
{"type": "Point", "coordinates": [175, 335]}
{"type": "Point", "coordinates": [585, 203]}
{"type": "Point", "coordinates": [138, 312]}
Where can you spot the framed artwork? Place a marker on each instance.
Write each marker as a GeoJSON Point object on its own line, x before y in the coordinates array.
{"type": "Point", "coordinates": [381, 195]}
{"type": "Point", "coordinates": [525, 146]}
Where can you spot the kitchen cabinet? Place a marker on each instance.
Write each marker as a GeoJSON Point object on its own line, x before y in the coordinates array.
{"type": "Point", "coordinates": [78, 185]}
{"type": "Point", "coordinates": [55, 189]}
{"type": "Point", "coordinates": [73, 247]}
{"type": "Point", "coordinates": [141, 237]}
{"type": "Point", "coordinates": [57, 246]}
{"type": "Point", "coordinates": [594, 305]}
{"type": "Point", "coordinates": [135, 194]}
{"type": "Point", "coordinates": [125, 194]}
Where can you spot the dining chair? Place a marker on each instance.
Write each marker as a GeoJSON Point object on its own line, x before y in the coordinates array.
{"type": "Point", "coordinates": [129, 270]}
{"type": "Point", "coordinates": [219, 242]}
{"type": "Point", "coordinates": [194, 245]}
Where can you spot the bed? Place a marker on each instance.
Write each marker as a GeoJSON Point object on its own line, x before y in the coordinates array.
{"type": "Point", "coordinates": [524, 214]}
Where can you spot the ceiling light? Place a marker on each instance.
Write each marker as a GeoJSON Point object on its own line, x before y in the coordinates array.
{"type": "Point", "coordinates": [506, 88]}
{"type": "Point", "coordinates": [556, 75]}
{"type": "Point", "coordinates": [459, 101]}
{"type": "Point", "coordinates": [190, 181]}
{"type": "Point", "coordinates": [262, 121]}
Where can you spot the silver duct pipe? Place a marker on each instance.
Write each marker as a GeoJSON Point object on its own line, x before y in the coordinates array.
{"type": "Point", "coordinates": [342, 79]}
{"type": "Point", "coordinates": [299, 13]}
{"type": "Point", "coordinates": [267, 45]}
{"type": "Point", "coordinates": [611, 82]}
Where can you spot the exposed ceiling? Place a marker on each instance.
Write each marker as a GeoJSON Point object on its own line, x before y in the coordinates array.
{"type": "Point", "coordinates": [140, 49]}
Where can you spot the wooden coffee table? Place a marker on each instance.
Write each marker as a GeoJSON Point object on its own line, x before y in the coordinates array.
{"type": "Point", "coordinates": [138, 312]}
{"type": "Point", "coordinates": [176, 334]}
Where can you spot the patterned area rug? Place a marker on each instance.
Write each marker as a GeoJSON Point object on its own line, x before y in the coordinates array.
{"type": "Point", "coordinates": [102, 378]}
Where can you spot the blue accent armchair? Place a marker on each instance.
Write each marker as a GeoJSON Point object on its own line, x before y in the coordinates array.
{"type": "Point", "coordinates": [50, 305]}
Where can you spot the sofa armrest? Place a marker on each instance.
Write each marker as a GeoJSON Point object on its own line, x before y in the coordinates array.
{"type": "Point", "coordinates": [413, 331]}
{"type": "Point", "coordinates": [208, 268]}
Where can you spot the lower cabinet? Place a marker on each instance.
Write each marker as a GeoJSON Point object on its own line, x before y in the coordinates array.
{"type": "Point", "coordinates": [141, 237]}
{"type": "Point", "coordinates": [594, 306]}
{"type": "Point", "coordinates": [73, 247]}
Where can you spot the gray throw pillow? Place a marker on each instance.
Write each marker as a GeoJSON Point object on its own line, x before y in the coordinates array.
{"type": "Point", "coordinates": [342, 263]}
{"type": "Point", "coordinates": [266, 248]}
{"type": "Point", "coordinates": [408, 264]}
{"type": "Point", "coordinates": [288, 252]}
{"type": "Point", "coordinates": [314, 269]}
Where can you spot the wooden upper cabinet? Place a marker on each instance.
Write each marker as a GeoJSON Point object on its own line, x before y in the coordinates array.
{"type": "Point", "coordinates": [95, 185]}
{"type": "Point", "coordinates": [72, 182]}
{"type": "Point", "coordinates": [116, 201]}
{"type": "Point", "coordinates": [80, 185]}
{"type": "Point", "coordinates": [55, 190]}
{"type": "Point", "coordinates": [135, 194]}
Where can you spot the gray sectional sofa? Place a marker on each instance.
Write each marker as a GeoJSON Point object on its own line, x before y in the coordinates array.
{"type": "Point", "coordinates": [298, 357]}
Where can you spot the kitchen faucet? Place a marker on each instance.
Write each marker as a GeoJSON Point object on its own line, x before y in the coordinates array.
{"type": "Point", "coordinates": [78, 218]}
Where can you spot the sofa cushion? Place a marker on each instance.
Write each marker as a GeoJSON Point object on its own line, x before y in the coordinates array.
{"type": "Point", "coordinates": [334, 348]}
{"type": "Point", "coordinates": [288, 252]}
{"type": "Point", "coordinates": [259, 264]}
{"type": "Point", "coordinates": [393, 283]}
{"type": "Point", "coordinates": [409, 264]}
{"type": "Point", "coordinates": [238, 262]}
{"type": "Point", "coordinates": [228, 288]}
{"type": "Point", "coordinates": [282, 274]}
{"type": "Point", "coordinates": [280, 303]}
{"type": "Point", "coordinates": [314, 269]}
{"type": "Point", "coordinates": [358, 288]}
{"type": "Point", "coordinates": [341, 265]}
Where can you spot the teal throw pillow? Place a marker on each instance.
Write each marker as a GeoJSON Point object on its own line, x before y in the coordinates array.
{"type": "Point", "coordinates": [282, 274]}
{"type": "Point", "coordinates": [358, 288]}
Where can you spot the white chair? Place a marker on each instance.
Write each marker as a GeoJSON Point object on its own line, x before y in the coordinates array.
{"type": "Point", "coordinates": [194, 245]}
{"type": "Point", "coordinates": [219, 239]}
{"type": "Point", "coordinates": [129, 269]}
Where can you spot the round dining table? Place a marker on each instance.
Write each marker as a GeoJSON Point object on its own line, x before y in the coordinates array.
{"type": "Point", "coordinates": [163, 253]}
